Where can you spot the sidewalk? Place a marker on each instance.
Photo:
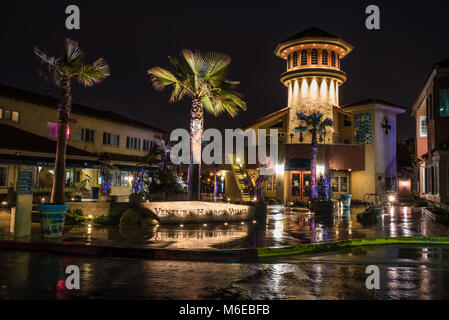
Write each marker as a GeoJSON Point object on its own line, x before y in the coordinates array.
{"type": "Point", "coordinates": [107, 242]}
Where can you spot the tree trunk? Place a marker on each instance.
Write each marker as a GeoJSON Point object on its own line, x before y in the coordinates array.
{"type": "Point", "coordinates": [196, 137]}
{"type": "Point", "coordinates": [65, 106]}
{"type": "Point", "coordinates": [216, 185]}
{"type": "Point", "coordinates": [313, 187]}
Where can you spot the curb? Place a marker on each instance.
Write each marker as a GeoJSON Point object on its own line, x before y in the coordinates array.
{"type": "Point", "coordinates": [348, 244]}
{"type": "Point", "coordinates": [134, 253]}
{"type": "Point", "coordinates": [240, 255]}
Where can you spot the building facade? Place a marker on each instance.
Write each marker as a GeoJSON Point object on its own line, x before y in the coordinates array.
{"type": "Point", "coordinates": [431, 112]}
{"type": "Point", "coordinates": [28, 122]}
{"type": "Point", "coordinates": [360, 148]}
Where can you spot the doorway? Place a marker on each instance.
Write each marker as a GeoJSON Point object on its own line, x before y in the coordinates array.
{"type": "Point", "coordinates": [300, 186]}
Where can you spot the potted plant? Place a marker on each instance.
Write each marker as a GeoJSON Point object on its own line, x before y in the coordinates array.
{"type": "Point", "coordinates": [106, 184]}
{"type": "Point", "coordinates": [63, 71]}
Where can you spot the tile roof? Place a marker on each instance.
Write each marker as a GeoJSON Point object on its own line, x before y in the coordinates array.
{"type": "Point", "coordinates": [49, 101]}
{"type": "Point", "coordinates": [372, 101]}
{"type": "Point", "coordinates": [15, 139]}
{"type": "Point", "coordinates": [312, 32]}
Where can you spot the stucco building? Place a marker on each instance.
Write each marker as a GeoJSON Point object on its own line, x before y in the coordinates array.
{"type": "Point", "coordinates": [361, 145]}
{"type": "Point", "coordinates": [28, 130]}
{"type": "Point", "coordinates": [431, 112]}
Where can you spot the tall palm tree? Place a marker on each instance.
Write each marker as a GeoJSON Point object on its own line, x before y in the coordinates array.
{"type": "Point", "coordinates": [201, 78]}
{"type": "Point", "coordinates": [315, 125]}
{"type": "Point", "coordinates": [62, 71]}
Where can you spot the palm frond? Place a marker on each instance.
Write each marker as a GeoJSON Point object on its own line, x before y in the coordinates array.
{"type": "Point", "coordinates": [162, 78]}
{"type": "Point", "coordinates": [73, 56]}
{"type": "Point", "coordinates": [217, 64]}
{"type": "Point", "coordinates": [94, 73]}
{"type": "Point", "coordinates": [196, 62]}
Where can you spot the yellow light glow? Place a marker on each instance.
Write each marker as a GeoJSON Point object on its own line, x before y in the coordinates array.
{"type": "Point", "coordinates": [304, 88]}
{"type": "Point", "coordinates": [280, 169]}
{"type": "Point", "coordinates": [314, 89]}
{"type": "Point", "coordinates": [320, 170]}
{"type": "Point", "coordinates": [324, 89]}
{"type": "Point", "coordinates": [332, 91]}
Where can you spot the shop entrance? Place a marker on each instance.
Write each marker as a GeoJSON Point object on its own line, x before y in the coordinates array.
{"type": "Point", "coordinates": [300, 182]}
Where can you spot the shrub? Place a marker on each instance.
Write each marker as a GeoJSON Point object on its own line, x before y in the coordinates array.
{"type": "Point", "coordinates": [107, 221]}
{"type": "Point", "coordinates": [75, 217]}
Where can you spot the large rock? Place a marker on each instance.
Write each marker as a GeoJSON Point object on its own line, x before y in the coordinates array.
{"type": "Point", "coordinates": [137, 216]}
{"type": "Point", "coordinates": [131, 217]}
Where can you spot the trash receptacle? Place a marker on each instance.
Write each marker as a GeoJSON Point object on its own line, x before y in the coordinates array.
{"type": "Point", "coordinates": [346, 198]}
{"type": "Point", "coordinates": [95, 193]}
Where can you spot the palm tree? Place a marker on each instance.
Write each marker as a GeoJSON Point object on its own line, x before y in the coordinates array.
{"type": "Point", "coordinates": [315, 125]}
{"type": "Point", "coordinates": [63, 71]}
{"type": "Point", "coordinates": [201, 78]}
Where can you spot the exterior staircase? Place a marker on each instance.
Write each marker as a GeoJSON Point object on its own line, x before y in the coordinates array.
{"type": "Point", "coordinates": [241, 177]}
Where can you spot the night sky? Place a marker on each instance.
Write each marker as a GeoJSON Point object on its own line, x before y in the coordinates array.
{"type": "Point", "coordinates": [132, 36]}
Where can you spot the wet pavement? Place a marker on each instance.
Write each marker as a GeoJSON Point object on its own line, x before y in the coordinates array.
{"type": "Point", "coordinates": [406, 273]}
{"type": "Point", "coordinates": [283, 227]}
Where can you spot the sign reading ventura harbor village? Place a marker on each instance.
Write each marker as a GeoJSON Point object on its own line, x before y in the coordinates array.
{"type": "Point", "coordinates": [192, 210]}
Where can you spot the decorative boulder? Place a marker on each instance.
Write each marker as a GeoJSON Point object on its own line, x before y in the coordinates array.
{"type": "Point", "coordinates": [131, 217]}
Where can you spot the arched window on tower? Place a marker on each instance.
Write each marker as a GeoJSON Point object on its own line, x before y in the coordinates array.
{"type": "Point", "coordinates": [304, 57]}
{"type": "Point", "coordinates": [314, 56]}
{"type": "Point", "coordinates": [333, 59]}
{"type": "Point", "coordinates": [289, 63]}
{"type": "Point", "coordinates": [338, 61]}
{"type": "Point", "coordinates": [325, 57]}
{"type": "Point", "coordinates": [295, 59]}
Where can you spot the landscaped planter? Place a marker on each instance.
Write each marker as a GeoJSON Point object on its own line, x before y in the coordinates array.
{"type": "Point", "coordinates": [52, 219]}
{"type": "Point", "coordinates": [322, 207]}
{"type": "Point", "coordinates": [346, 198]}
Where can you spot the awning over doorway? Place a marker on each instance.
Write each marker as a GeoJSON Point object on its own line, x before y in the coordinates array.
{"type": "Point", "coordinates": [298, 165]}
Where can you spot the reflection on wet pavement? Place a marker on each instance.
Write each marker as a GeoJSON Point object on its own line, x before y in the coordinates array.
{"type": "Point", "coordinates": [283, 228]}
{"type": "Point", "coordinates": [410, 272]}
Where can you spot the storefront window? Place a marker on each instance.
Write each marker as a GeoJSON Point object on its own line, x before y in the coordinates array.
{"type": "Point", "coordinates": [444, 103]}
{"type": "Point", "coordinates": [344, 186]}
{"type": "Point", "coordinates": [271, 183]}
{"type": "Point", "coordinates": [340, 184]}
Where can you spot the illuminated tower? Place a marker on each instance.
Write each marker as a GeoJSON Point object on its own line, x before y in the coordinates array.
{"type": "Point", "coordinates": [313, 75]}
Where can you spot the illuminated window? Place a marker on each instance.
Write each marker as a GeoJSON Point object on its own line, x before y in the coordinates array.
{"type": "Point", "coordinates": [3, 177]}
{"type": "Point", "coordinates": [304, 57]}
{"type": "Point", "coordinates": [124, 178]}
{"type": "Point", "coordinates": [10, 115]}
{"type": "Point", "coordinates": [271, 183]}
{"type": "Point", "coordinates": [52, 130]}
{"type": "Point", "coordinates": [289, 62]}
{"type": "Point", "coordinates": [15, 116]}
{"type": "Point", "coordinates": [340, 184]}
{"type": "Point", "coordinates": [295, 59]}
{"type": "Point", "coordinates": [422, 127]}
{"type": "Point", "coordinates": [100, 178]}
{"type": "Point", "coordinates": [1, 114]}
{"type": "Point", "coordinates": [444, 103]}
{"type": "Point", "coordinates": [325, 57]}
{"type": "Point", "coordinates": [333, 59]}
{"type": "Point", "coordinates": [314, 56]}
